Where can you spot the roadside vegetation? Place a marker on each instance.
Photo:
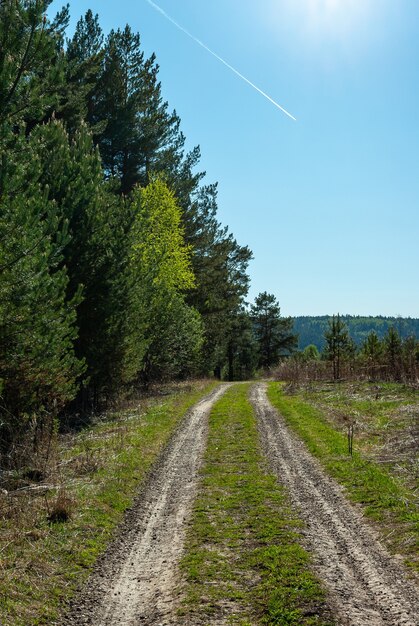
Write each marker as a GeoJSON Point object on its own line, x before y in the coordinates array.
{"type": "Point", "coordinates": [381, 423]}
{"type": "Point", "coordinates": [243, 560]}
{"type": "Point", "coordinates": [55, 523]}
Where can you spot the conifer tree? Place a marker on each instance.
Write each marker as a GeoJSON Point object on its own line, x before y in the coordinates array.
{"type": "Point", "coordinates": [338, 344]}
{"type": "Point", "coordinates": [96, 255]}
{"type": "Point", "coordinates": [242, 348]}
{"type": "Point", "coordinates": [273, 333]}
{"type": "Point", "coordinates": [38, 367]}
{"type": "Point", "coordinates": [372, 351]}
{"type": "Point", "coordinates": [29, 66]}
{"type": "Point", "coordinates": [410, 357]}
{"type": "Point", "coordinates": [84, 58]}
{"type": "Point", "coordinates": [220, 267]}
{"type": "Point", "coordinates": [138, 131]}
{"type": "Point", "coordinates": [393, 353]}
{"type": "Point", "coordinates": [176, 342]}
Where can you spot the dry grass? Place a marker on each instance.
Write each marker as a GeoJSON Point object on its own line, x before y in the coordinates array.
{"type": "Point", "coordinates": [383, 474]}
{"type": "Point", "coordinates": [386, 418]}
{"type": "Point", "coordinates": [60, 508]}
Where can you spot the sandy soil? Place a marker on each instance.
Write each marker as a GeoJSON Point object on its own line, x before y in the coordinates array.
{"type": "Point", "coordinates": [367, 586]}
{"type": "Point", "coordinates": [134, 581]}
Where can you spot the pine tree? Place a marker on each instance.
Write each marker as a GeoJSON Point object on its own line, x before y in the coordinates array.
{"type": "Point", "coordinates": [84, 58]}
{"type": "Point", "coordinates": [338, 344]}
{"type": "Point", "coordinates": [272, 332]}
{"type": "Point", "coordinates": [393, 353]}
{"type": "Point", "coordinates": [96, 255]}
{"type": "Point", "coordinates": [242, 349]}
{"type": "Point", "coordinates": [139, 134]}
{"type": "Point", "coordinates": [410, 357]}
{"type": "Point", "coordinates": [372, 351]}
{"type": "Point", "coordinates": [311, 353]}
{"type": "Point", "coordinates": [32, 66]}
{"type": "Point", "coordinates": [220, 267]}
{"type": "Point", "coordinates": [38, 367]}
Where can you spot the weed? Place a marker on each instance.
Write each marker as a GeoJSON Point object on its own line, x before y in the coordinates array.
{"type": "Point", "coordinates": [61, 508]}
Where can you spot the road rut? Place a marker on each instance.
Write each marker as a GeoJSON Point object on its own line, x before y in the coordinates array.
{"type": "Point", "coordinates": [134, 581]}
{"type": "Point", "coordinates": [366, 585]}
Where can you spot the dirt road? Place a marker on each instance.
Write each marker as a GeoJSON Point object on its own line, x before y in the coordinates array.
{"type": "Point", "coordinates": [367, 587]}
{"type": "Point", "coordinates": [134, 581]}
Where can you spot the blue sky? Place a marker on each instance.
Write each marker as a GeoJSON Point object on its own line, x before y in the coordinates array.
{"type": "Point", "coordinates": [329, 204]}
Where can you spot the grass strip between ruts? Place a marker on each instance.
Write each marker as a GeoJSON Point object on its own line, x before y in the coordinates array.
{"type": "Point", "coordinates": [43, 563]}
{"type": "Point", "coordinates": [243, 560]}
{"type": "Point", "coordinates": [384, 499]}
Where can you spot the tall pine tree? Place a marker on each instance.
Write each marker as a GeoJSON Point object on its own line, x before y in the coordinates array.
{"type": "Point", "coordinates": [273, 333]}
{"type": "Point", "coordinates": [38, 367]}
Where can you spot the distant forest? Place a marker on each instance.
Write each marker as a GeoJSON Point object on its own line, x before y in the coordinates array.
{"type": "Point", "coordinates": [311, 329]}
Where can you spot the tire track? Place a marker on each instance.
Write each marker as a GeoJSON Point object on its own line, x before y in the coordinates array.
{"type": "Point", "coordinates": [134, 581]}
{"type": "Point", "coordinates": [366, 585]}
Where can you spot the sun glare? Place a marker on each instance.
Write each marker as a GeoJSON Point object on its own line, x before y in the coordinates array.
{"type": "Point", "coordinates": [334, 16]}
{"type": "Point", "coordinates": [323, 19]}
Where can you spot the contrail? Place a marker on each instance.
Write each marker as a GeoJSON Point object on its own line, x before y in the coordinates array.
{"type": "Point", "coordinates": [230, 67]}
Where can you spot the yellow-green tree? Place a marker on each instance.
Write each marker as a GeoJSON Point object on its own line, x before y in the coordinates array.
{"type": "Point", "coordinates": [161, 275]}
{"type": "Point", "coordinates": [159, 251]}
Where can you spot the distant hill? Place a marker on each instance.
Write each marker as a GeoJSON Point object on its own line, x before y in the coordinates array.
{"type": "Point", "coordinates": [310, 329]}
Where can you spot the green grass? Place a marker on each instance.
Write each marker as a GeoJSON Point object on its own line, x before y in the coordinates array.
{"type": "Point", "coordinates": [243, 558]}
{"type": "Point", "coordinates": [376, 407]}
{"type": "Point", "coordinates": [99, 473]}
{"type": "Point", "coordinates": [385, 498]}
